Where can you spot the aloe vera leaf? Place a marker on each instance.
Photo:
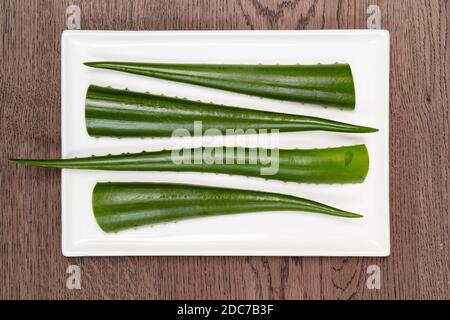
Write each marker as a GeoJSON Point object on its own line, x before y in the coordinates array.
{"type": "Point", "coordinates": [122, 205]}
{"type": "Point", "coordinates": [347, 164]}
{"type": "Point", "coordinates": [123, 113]}
{"type": "Point", "coordinates": [322, 84]}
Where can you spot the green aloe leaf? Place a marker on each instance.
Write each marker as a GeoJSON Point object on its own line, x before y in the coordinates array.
{"type": "Point", "coordinates": [122, 205]}
{"type": "Point", "coordinates": [347, 164]}
{"type": "Point", "coordinates": [123, 113]}
{"type": "Point", "coordinates": [322, 84]}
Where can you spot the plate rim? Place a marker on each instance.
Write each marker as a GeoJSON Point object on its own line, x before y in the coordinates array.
{"type": "Point", "coordinates": [67, 251]}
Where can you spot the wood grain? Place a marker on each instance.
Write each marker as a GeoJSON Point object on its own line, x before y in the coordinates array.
{"type": "Point", "coordinates": [31, 263]}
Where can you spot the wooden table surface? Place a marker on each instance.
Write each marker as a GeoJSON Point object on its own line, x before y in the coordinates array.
{"type": "Point", "coordinates": [31, 263]}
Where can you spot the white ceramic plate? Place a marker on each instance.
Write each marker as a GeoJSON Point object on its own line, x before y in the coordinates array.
{"type": "Point", "coordinates": [270, 233]}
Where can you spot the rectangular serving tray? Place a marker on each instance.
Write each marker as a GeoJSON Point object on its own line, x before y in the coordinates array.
{"type": "Point", "coordinates": [262, 234]}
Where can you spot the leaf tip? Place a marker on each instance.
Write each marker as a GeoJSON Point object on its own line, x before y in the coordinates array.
{"type": "Point", "coordinates": [355, 215]}
{"type": "Point", "coordinates": [372, 129]}
{"type": "Point", "coordinates": [90, 64]}
{"type": "Point", "coordinates": [363, 129]}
